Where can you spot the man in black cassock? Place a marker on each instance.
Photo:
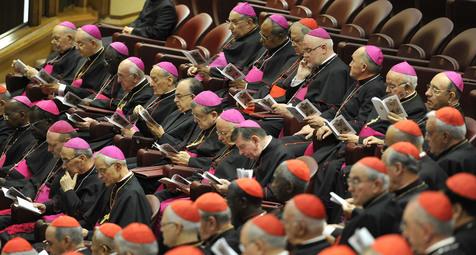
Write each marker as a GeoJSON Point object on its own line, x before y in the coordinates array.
{"type": "Point", "coordinates": [91, 72]}
{"type": "Point", "coordinates": [157, 20]}
{"type": "Point", "coordinates": [380, 214]}
{"type": "Point", "coordinates": [123, 193]}
{"type": "Point", "coordinates": [5, 130]}
{"type": "Point", "coordinates": [21, 140]}
{"type": "Point", "coordinates": [446, 138]}
{"type": "Point", "coordinates": [464, 209]}
{"type": "Point", "coordinates": [62, 63]}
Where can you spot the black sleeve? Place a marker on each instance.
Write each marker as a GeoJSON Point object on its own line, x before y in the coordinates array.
{"type": "Point", "coordinates": [162, 27]}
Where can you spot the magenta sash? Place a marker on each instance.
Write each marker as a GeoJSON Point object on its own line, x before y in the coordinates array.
{"type": "Point", "coordinates": [77, 83]}
{"type": "Point", "coordinates": [309, 150]}
{"type": "Point", "coordinates": [6, 212]}
{"type": "Point", "coordinates": [101, 96]}
{"type": "Point", "coordinates": [193, 155]}
{"type": "Point", "coordinates": [23, 169]}
{"type": "Point", "coordinates": [2, 159]}
{"type": "Point", "coordinates": [43, 194]}
{"type": "Point", "coordinates": [368, 131]}
{"type": "Point", "coordinates": [301, 93]}
{"type": "Point", "coordinates": [48, 68]}
{"type": "Point", "coordinates": [254, 75]}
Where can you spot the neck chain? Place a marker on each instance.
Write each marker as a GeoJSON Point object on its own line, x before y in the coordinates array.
{"type": "Point", "coordinates": [157, 101]}
{"type": "Point", "coordinates": [354, 91]}
{"type": "Point", "coordinates": [264, 61]}
{"type": "Point", "coordinates": [11, 142]}
{"type": "Point", "coordinates": [285, 74]}
{"type": "Point", "coordinates": [83, 70]}
{"type": "Point", "coordinates": [421, 185]}
{"type": "Point", "coordinates": [115, 192]}
{"type": "Point", "coordinates": [32, 149]}
{"type": "Point", "coordinates": [121, 103]}
{"type": "Point", "coordinates": [86, 177]}
{"type": "Point", "coordinates": [59, 57]}
{"type": "Point", "coordinates": [201, 137]}
{"type": "Point", "coordinates": [217, 160]}
{"type": "Point", "coordinates": [108, 82]}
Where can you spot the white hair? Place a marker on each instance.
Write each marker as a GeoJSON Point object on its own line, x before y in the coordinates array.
{"type": "Point", "coordinates": [458, 132]}
{"type": "Point", "coordinates": [92, 38]}
{"type": "Point", "coordinates": [376, 175]}
{"type": "Point", "coordinates": [444, 228]}
{"type": "Point", "coordinates": [186, 225]}
{"type": "Point", "coordinates": [256, 233]}
{"type": "Point", "coordinates": [405, 137]}
{"type": "Point", "coordinates": [134, 70]}
{"type": "Point", "coordinates": [407, 161]}
{"type": "Point", "coordinates": [125, 247]}
{"type": "Point", "coordinates": [31, 252]}
{"type": "Point", "coordinates": [108, 160]}
{"type": "Point", "coordinates": [222, 218]}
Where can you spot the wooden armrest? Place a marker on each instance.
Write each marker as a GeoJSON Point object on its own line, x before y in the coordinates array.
{"type": "Point", "coordinates": [325, 20]}
{"type": "Point", "coordinates": [301, 11]}
{"type": "Point", "coordinates": [411, 51]}
{"type": "Point", "coordinates": [139, 142]}
{"type": "Point", "coordinates": [278, 4]}
{"type": "Point", "coordinates": [444, 62]}
{"type": "Point", "coordinates": [353, 30]}
{"type": "Point", "coordinates": [123, 143]}
{"type": "Point", "coordinates": [204, 51]}
{"type": "Point", "coordinates": [175, 41]}
{"type": "Point", "coordinates": [381, 40]}
{"type": "Point", "coordinates": [291, 126]}
{"type": "Point", "coordinates": [152, 171]}
{"type": "Point", "coordinates": [354, 152]}
{"type": "Point", "coordinates": [98, 110]}
{"type": "Point", "coordinates": [470, 73]}
{"type": "Point", "coordinates": [146, 157]}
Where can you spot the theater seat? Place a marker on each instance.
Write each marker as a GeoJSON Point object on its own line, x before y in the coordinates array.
{"type": "Point", "coordinates": [368, 20]}
{"type": "Point", "coordinates": [154, 204]}
{"type": "Point", "coordinates": [176, 60]}
{"type": "Point", "coordinates": [397, 29]}
{"type": "Point", "coordinates": [190, 33]}
{"type": "Point", "coordinates": [317, 7]}
{"type": "Point", "coordinates": [458, 54]}
{"type": "Point", "coordinates": [183, 14]}
{"type": "Point", "coordinates": [339, 12]}
{"type": "Point", "coordinates": [149, 157]}
{"type": "Point", "coordinates": [214, 40]}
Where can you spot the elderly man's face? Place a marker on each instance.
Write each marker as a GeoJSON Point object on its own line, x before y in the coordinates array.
{"type": "Point", "coordinates": [360, 186]}
{"type": "Point", "coordinates": [108, 174]}
{"type": "Point", "coordinates": [297, 37]}
{"type": "Point", "coordinates": [267, 37]}
{"type": "Point", "coordinates": [85, 45]}
{"type": "Point", "coordinates": [438, 94]}
{"type": "Point", "coordinates": [412, 229]}
{"type": "Point", "coordinates": [248, 148]}
{"type": "Point", "coordinates": [224, 131]}
{"type": "Point", "coordinates": [395, 85]}
{"type": "Point", "coordinates": [55, 143]}
{"type": "Point", "coordinates": [239, 25]}
{"type": "Point", "coordinates": [14, 116]}
{"type": "Point", "coordinates": [170, 230]}
{"type": "Point", "coordinates": [436, 140]}
{"type": "Point", "coordinates": [183, 96]}
{"type": "Point", "coordinates": [127, 79]}
{"type": "Point", "coordinates": [290, 222]}
{"type": "Point", "coordinates": [314, 50]}
{"type": "Point", "coordinates": [71, 162]}
{"type": "Point", "coordinates": [54, 246]}
{"type": "Point", "coordinates": [60, 39]}
{"type": "Point", "coordinates": [392, 172]}
{"type": "Point", "coordinates": [249, 246]}
{"type": "Point", "coordinates": [204, 120]}
{"type": "Point", "coordinates": [357, 65]}
{"type": "Point", "coordinates": [160, 81]}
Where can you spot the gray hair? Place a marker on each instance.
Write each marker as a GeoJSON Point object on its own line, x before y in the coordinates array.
{"type": "Point", "coordinates": [444, 228]}
{"type": "Point", "coordinates": [407, 161]}
{"type": "Point", "coordinates": [134, 70]}
{"type": "Point", "coordinates": [299, 185]}
{"type": "Point", "coordinates": [310, 222]}
{"type": "Point", "coordinates": [103, 239]}
{"type": "Point", "coordinates": [108, 160]}
{"type": "Point", "coordinates": [186, 225]}
{"type": "Point", "coordinates": [374, 175]}
{"type": "Point", "coordinates": [457, 133]}
{"type": "Point", "coordinates": [87, 152]}
{"type": "Point", "coordinates": [409, 79]}
{"type": "Point", "coordinates": [135, 248]}
{"type": "Point", "coordinates": [371, 65]}
{"type": "Point", "coordinates": [5, 96]}
{"type": "Point", "coordinates": [222, 218]}
{"type": "Point", "coordinates": [255, 233]}
{"type": "Point", "coordinates": [91, 38]}
{"type": "Point", "coordinates": [76, 234]}
{"type": "Point", "coordinates": [247, 133]}
{"type": "Point", "coordinates": [405, 137]}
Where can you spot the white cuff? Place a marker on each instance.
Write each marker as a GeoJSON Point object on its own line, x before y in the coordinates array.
{"type": "Point", "coordinates": [61, 89]}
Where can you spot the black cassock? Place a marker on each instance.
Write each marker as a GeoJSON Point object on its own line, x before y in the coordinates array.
{"type": "Point", "coordinates": [273, 155]}
{"type": "Point", "coordinates": [159, 109]}
{"type": "Point", "coordinates": [431, 173]}
{"type": "Point", "coordinates": [459, 158]}
{"type": "Point", "coordinates": [46, 175]}
{"type": "Point", "coordinates": [17, 145]}
{"type": "Point", "coordinates": [231, 236]}
{"type": "Point", "coordinates": [5, 132]}
{"type": "Point", "coordinates": [157, 20]}
{"type": "Point", "coordinates": [92, 71]}
{"type": "Point", "coordinates": [449, 249]}
{"type": "Point", "coordinates": [79, 200]}
{"type": "Point", "coordinates": [112, 89]}
{"type": "Point", "coordinates": [313, 247]}
{"type": "Point", "coordinates": [465, 237]}
{"type": "Point", "coordinates": [206, 146]}
{"type": "Point", "coordinates": [405, 194]}
{"type": "Point", "coordinates": [176, 125]}
{"type": "Point", "coordinates": [380, 216]}
{"type": "Point", "coordinates": [64, 65]}
{"type": "Point", "coordinates": [122, 203]}
{"type": "Point", "coordinates": [139, 95]}
{"type": "Point", "coordinates": [228, 161]}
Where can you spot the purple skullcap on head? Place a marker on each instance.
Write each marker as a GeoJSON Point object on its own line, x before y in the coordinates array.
{"type": "Point", "coordinates": [374, 53]}
{"type": "Point", "coordinates": [61, 127]}
{"type": "Point", "coordinates": [137, 61]}
{"type": "Point", "coordinates": [207, 98]}
{"type": "Point", "coordinates": [92, 30]}
{"type": "Point", "coordinates": [77, 144]}
{"type": "Point", "coordinates": [68, 25]}
{"type": "Point", "coordinates": [112, 152]}
{"type": "Point", "coordinates": [319, 33]}
{"type": "Point", "coordinates": [24, 100]}
{"type": "Point", "coordinates": [168, 67]}
{"type": "Point", "coordinates": [404, 68]}
{"type": "Point", "coordinates": [456, 79]}
{"type": "Point", "coordinates": [121, 48]}
{"type": "Point", "coordinates": [244, 8]}
{"type": "Point", "coordinates": [280, 20]}
{"type": "Point", "coordinates": [48, 106]}
{"type": "Point", "coordinates": [249, 124]}
{"type": "Point", "coordinates": [233, 116]}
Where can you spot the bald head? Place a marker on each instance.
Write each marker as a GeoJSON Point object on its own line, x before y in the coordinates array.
{"type": "Point", "coordinates": [129, 74]}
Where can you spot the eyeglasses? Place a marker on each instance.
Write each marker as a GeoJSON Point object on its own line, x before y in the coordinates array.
{"type": "Point", "coordinates": [266, 37]}
{"type": "Point", "coordinates": [435, 90]}
{"type": "Point", "coordinates": [234, 22]}
{"type": "Point", "coordinates": [355, 181]}
{"type": "Point", "coordinates": [309, 50]}
{"type": "Point", "coordinates": [393, 86]}
{"type": "Point", "coordinates": [182, 96]}
{"type": "Point", "coordinates": [65, 160]}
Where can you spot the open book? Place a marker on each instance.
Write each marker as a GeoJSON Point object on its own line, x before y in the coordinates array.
{"type": "Point", "coordinates": [42, 77]}
{"type": "Point", "coordinates": [25, 204]}
{"type": "Point", "coordinates": [177, 181]}
{"type": "Point", "coordinates": [70, 99]}
{"type": "Point", "coordinates": [361, 239]}
{"type": "Point", "coordinates": [144, 115]}
{"type": "Point", "coordinates": [119, 121]}
{"type": "Point", "coordinates": [75, 118]}
{"type": "Point", "coordinates": [338, 199]}
{"type": "Point", "coordinates": [387, 105]}
{"type": "Point", "coordinates": [339, 126]}
{"type": "Point", "coordinates": [243, 98]}
{"type": "Point", "coordinates": [166, 148]}
{"type": "Point", "coordinates": [13, 193]}
{"type": "Point", "coordinates": [19, 66]}
{"type": "Point", "coordinates": [244, 173]}
{"type": "Point", "coordinates": [231, 72]}
{"type": "Point", "coordinates": [302, 110]}
{"type": "Point", "coordinates": [212, 178]}
{"type": "Point", "coordinates": [265, 104]}
{"type": "Point", "coordinates": [195, 57]}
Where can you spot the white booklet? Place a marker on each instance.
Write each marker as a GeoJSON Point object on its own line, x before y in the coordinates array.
{"type": "Point", "coordinates": [166, 148]}
{"type": "Point", "coordinates": [302, 110]}
{"type": "Point", "coordinates": [119, 121]}
{"type": "Point", "coordinates": [244, 173]}
{"type": "Point", "coordinates": [387, 105]}
{"type": "Point", "coordinates": [338, 199]}
{"type": "Point", "coordinates": [176, 181]}
{"type": "Point", "coordinates": [19, 66]}
{"type": "Point", "coordinates": [70, 99]}
{"type": "Point", "coordinates": [266, 103]}
{"type": "Point", "coordinates": [339, 126]}
{"type": "Point", "coordinates": [243, 98]}
{"type": "Point", "coordinates": [222, 247]}
{"type": "Point", "coordinates": [231, 72]}
{"type": "Point", "coordinates": [361, 239]}
{"type": "Point", "coordinates": [75, 118]}
{"type": "Point", "coordinates": [195, 57]}
{"type": "Point", "coordinates": [145, 116]}
{"type": "Point", "coordinates": [25, 204]}
{"type": "Point", "coordinates": [212, 178]}
{"type": "Point", "coordinates": [44, 78]}
{"type": "Point", "coordinates": [12, 193]}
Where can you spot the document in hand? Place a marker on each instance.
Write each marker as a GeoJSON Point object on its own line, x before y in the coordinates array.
{"type": "Point", "coordinates": [20, 66]}
{"type": "Point", "coordinates": [42, 77]}
{"type": "Point", "coordinates": [119, 120]}
{"type": "Point", "coordinates": [70, 99]}
{"type": "Point", "coordinates": [387, 105]}
{"type": "Point", "coordinates": [339, 126]}
{"type": "Point", "coordinates": [166, 148]}
{"type": "Point", "coordinates": [243, 98]}
{"type": "Point", "coordinates": [195, 57]}
{"type": "Point", "coordinates": [25, 204]}
{"type": "Point", "coordinates": [302, 110]}
{"type": "Point", "coordinates": [144, 114]}
{"type": "Point", "coordinates": [231, 72]}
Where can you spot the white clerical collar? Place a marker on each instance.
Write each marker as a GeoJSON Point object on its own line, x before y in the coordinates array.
{"type": "Point", "coordinates": [283, 253]}
{"type": "Point", "coordinates": [267, 142]}
{"type": "Point", "coordinates": [440, 244]}
{"type": "Point", "coordinates": [125, 177]}
{"type": "Point", "coordinates": [314, 240]}
{"type": "Point", "coordinates": [327, 59]}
